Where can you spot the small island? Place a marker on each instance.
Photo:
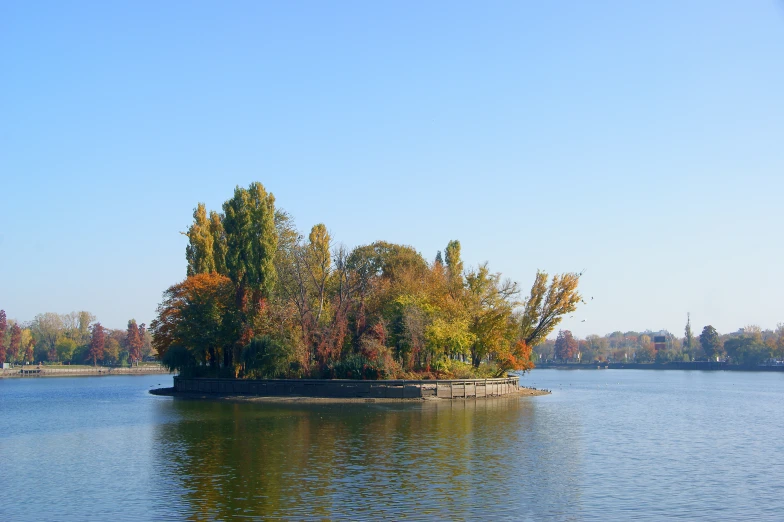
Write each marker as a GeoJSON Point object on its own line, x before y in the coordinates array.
{"type": "Point", "coordinates": [263, 301]}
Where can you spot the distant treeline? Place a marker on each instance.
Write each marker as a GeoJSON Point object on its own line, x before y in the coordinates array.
{"type": "Point", "coordinates": [748, 346]}
{"type": "Point", "coordinates": [262, 299]}
{"type": "Point", "coordinates": [74, 338]}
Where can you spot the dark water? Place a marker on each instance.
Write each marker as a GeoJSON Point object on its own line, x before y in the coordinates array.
{"type": "Point", "coordinates": [607, 445]}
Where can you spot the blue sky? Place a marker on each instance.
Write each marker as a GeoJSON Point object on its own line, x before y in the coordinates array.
{"type": "Point", "coordinates": [641, 141]}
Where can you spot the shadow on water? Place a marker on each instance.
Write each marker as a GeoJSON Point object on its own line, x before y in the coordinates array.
{"type": "Point", "coordinates": [452, 460]}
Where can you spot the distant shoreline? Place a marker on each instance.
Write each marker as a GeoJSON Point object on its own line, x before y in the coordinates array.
{"type": "Point", "coordinates": [689, 366]}
{"type": "Point", "coordinates": [32, 372]}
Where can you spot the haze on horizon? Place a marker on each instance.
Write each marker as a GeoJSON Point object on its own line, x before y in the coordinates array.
{"type": "Point", "coordinates": [640, 143]}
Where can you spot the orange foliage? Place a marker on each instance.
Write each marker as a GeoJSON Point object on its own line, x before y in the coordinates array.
{"type": "Point", "coordinates": [517, 358]}
{"type": "Point", "coordinates": [190, 312]}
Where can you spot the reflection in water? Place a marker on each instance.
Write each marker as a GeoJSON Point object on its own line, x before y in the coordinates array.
{"type": "Point", "coordinates": [607, 445]}
{"type": "Point", "coordinates": [443, 459]}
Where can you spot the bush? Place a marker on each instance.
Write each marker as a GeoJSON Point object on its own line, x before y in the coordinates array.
{"type": "Point", "coordinates": [267, 358]}
{"type": "Point", "coordinates": [357, 366]}
{"type": "Point", "coordinates": [178, 358]}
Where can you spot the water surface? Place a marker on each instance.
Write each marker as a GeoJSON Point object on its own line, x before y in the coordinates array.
{"type": "Point", "coordinates": [606, 445]}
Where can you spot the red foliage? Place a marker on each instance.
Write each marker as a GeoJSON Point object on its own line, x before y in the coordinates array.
{"type": "Point", "coordinates": [134, 342]}
{"type": "Point", "coordinates": [97, 344]}
{"type": "Point", "coordinates": [16, 339]}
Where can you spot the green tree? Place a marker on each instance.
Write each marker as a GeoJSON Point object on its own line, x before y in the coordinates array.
{"type": "Point", "coordinates": [688, 340]}
{"type": "Point", "coordinates": [218, 242]}
{"type": "Point", "coordinates": [251, 239]}
{"type": "Point", "coordinates": [65, 349]}
{"type": "Point", "coordinates": [710, 342]}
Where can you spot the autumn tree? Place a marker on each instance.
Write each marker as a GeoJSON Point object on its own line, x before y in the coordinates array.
{"type": "Point", "coordinates": [545, 306]}
{"type": "Point", "coordinates": [565, 346]}
{"type": "Point", "coordinates": [710, 342]}
{"type": "Point", "coordinates": [3, 328]}
{"type": "Point", "coordinates": [29, 350]}
{"type": "Point", "coordinates": [200, 250]}
{"type": "Point", "coordinates": [490, 303]}
{"type": "Point", "coordinates": [196, 319]}
{"type": "Point", "coordinates": [146, 341]}
{"type": "Point", "coordinates": [133, 342]}
{"type": "Point", "coordinates": [16, 341]}
{"type": "Point", "coordinates": [454, 263]}
{"type": "Point", "coordinates": [46, 329]}
{"type": "Point", "coordinates": [97, 344]}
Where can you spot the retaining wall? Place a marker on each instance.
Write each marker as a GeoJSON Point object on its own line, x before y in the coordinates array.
{"type": "Point", "coordinates": [338, 388]}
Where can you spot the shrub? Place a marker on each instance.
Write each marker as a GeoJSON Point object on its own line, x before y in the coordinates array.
{"type": "Point", "coordinates": [267, 358]}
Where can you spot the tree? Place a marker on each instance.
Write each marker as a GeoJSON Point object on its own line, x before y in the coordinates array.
{"type": "Point", "coordinates": [490, 302]}
{"type": "Point", "coordinates": [218, 242]}
{"type": "Point", "coordinates": [710, 342]}
{"type": "Point", "coordinates": [544, 307]}
{"type": "Point", "coordinates": [16, 341]}
{"type": "Point", "coordinates": [97, 343]}
{"type": "Point", "coordinates": [3, 327]}
{"type": "Point", "coordinates": [29, 351]}
{"type": "Point", "coordinates": [65, 349]}
{"type": "Point", "coordinates": [133, 342]}
{"type": "Point", "coordinates": [566, 346]}
{"type": "Point", "coordinates": [251, 239]}
{"type": "Point", "coordinates": [199, 251]}
{"type": "Point", "coordinates": [198, 316]}
{"type": "Point", "coordinates": [47, 328]}
{"type": "Point", "coordinates": [453, 262]}
{"type": "Point", "coordinates": [146, 340]}
{"type": "Point", "coordinates": [688, 340]}
{"type": "Point", "coordinates": [518, 357]}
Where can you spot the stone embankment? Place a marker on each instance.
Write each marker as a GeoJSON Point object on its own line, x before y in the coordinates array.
{"type": "Point", "coordinates": [339, 389]}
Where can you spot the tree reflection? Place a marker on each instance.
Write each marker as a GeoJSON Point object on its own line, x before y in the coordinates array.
{"type": "Point", "coordinates": [450, 459]}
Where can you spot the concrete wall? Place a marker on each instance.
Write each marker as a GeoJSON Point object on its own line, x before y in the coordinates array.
{"type": "Point", "coordinates": [446, 389]}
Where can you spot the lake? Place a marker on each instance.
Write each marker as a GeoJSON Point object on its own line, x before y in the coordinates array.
{"type": "Point", "coordinates": [606, 445]}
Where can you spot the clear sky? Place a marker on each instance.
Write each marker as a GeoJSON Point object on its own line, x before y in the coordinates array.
{"type": "Point", "coordinates": [641, 141]}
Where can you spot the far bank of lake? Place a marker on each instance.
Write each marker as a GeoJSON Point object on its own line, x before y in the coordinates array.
{"type": "Point", "coordinates": [31, 371]}
{"type": "Point", "coordinates": [696, 365]}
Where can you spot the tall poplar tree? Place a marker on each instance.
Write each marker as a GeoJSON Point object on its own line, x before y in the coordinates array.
{"type": "Point", "coordinates": [251, 239]}
{"type": "Point", "coordinates": [199, 251]}
{"type": "Point", "coordinates": [3, 328]}
{"type": "Point", "coordinates": [688, 340]}
{"type": "Point", "coordinates": [218, 242]}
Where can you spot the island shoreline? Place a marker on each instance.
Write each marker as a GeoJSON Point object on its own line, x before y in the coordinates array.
{"type": "Point", "coordinates": [301, 399]}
